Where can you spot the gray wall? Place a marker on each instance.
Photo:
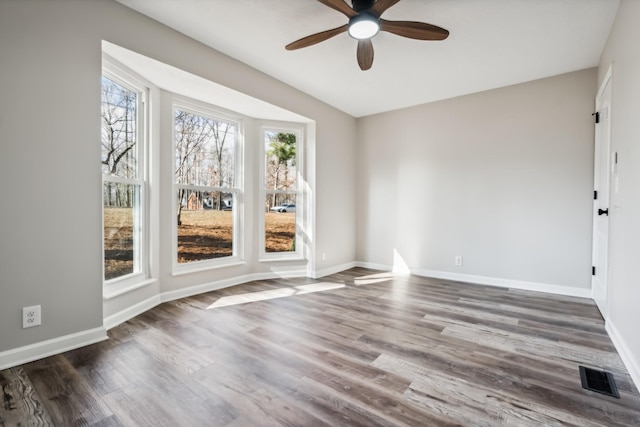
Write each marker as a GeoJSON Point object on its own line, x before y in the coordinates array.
{"type": "Point", "coordinates": [503, 178]}
{"type": "Point", "coordinates": [50, 223]}
{"type": "Point", "coordinates": [50, 226]}
{"type": "Point", "coordinates": [624, 230]}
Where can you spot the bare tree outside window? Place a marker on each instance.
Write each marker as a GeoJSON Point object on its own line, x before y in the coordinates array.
{"type": "Point", "coordinates": [121, 187]}
{"type": "Point", "coordinates": [205, 177]}
{"type": "Point", "coordinates": [119, 109]}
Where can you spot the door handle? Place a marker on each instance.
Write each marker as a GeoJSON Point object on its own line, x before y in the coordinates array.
{"type": "Point", "coordinates": [603, 212]}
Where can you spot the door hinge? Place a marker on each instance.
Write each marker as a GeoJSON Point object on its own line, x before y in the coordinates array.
{"type": "Point", "coordinates": [593, 271]}
{"type": "Point", "coordinates": [597, 114]}
{"type": "Point", "coordinates": [595, 195]}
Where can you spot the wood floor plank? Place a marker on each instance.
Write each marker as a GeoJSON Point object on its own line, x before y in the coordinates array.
{"type": "Point", "coordinates": [138, 405]}
{"type": "Point", "coordinates": [64, 393]}
{"type": "Point", "coordinates": [357, 348]}
{"type": "Point", "coordinates": [235, 382]}
{"type": "Point", "coordinates": [588, 323]}
{"type": "Point", "coordinates": [255, 405]}
{"type": "Point", "coordinates": [527, 344]}
{"type": "Point", "coordinates": [20, 401]}
{"type": "Point", "coordinates": [332, 362]}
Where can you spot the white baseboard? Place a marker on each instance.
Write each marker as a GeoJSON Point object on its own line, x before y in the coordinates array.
{"type": "Point", "coordinates": [29, 353]}
{"type": "Point", "coordinates": [220, 284]}
{"type": "Point", "coordinates": [131, 312]}
{"type": "Point", "coordinates": [632, 364]}
{"type": "Point", "coordinates": [492, 281]}
{"type": "Point", "coordinates": [332, 270]}
{"type": "Point", "coordinates": [206, 287]}
{"type": "Point", "coordinates": [507, 283]}
{"type": "Point", "coordinates": [374, 266]}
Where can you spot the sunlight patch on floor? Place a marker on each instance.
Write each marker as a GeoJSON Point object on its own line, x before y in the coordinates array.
{"type": "Point", "coordinates": [373, 278]}
{"type": "Point", "coordinates": [274, 293]}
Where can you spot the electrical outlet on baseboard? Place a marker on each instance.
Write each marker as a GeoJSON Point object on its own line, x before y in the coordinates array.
{"type": "Point", "coordinates": [458, 260]}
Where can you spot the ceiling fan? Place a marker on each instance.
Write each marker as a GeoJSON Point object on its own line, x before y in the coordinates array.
{"type": "Point", "coordinates": [365, 22]}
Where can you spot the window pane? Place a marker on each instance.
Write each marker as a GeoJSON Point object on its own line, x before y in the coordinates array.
{"type": "Point", "coordinates": [121, 229]}
{"type": "Point", "coordinates": [204, 150]}
{"type": "Point", "coordinates": [280, 158]}
{"type": "Point", "coordinates": [280, 223]}
{"type": "Point", "coordinates": [119, 107]}
{"type": "Point", "coordinates": [205, 225]}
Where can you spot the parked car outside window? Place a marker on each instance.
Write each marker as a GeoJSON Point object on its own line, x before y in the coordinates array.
{"type": "Point", "coordinates": [285, 207]}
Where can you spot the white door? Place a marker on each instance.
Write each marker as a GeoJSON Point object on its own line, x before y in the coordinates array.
{"type": "Point", "coordinates": [602, 185]}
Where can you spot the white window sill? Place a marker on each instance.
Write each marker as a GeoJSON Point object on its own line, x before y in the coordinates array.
{"type": "Point", "coordinates": [116, 289]}
{"type": "Point", "coordinates": [296, 257]}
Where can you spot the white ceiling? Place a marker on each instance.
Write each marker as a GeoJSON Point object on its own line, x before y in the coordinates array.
{"type": "Point", "coordinates": [493, 43]}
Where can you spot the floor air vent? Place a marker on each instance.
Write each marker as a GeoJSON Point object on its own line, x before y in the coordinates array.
{"type": "Point", "coordinates": [598, 381]}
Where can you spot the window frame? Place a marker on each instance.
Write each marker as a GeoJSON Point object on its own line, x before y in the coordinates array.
{"type": "Point", "coordinates": [118, 285]}
{"type": "Point", "coordinates": [301, 204]}
{"type": "Point", "coordinates": [193, 106]}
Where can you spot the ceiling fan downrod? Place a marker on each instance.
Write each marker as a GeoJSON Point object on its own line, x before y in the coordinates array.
{"type": "Point", "coordinates": [360, 5]}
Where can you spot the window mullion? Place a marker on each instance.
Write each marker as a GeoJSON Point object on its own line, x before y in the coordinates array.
{"type": "Point", "coordinates": [119, 180]}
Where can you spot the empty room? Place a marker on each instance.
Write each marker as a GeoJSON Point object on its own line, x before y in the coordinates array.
{"type": "Point", "coordinates": [320, 212]}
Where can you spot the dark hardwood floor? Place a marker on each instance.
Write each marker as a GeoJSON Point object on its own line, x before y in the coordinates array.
{"type": "Point", "coordinates": [359, 348]}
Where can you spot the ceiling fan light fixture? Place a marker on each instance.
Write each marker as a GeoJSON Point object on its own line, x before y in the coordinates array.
{"type": "Point", "coordinates": [363, 26]}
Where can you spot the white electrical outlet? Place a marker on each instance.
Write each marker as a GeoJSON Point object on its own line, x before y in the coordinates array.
{"type": "Point", "coordinates": [324, 256]}
{"type": "Point", "coordinates": [458, 260]}
{"type": "Point", "coordinates": [31, 316]}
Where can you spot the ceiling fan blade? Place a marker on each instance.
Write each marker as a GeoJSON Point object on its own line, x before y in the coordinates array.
{"type": "Point", "coordinates": [414, 30]}
{"type": "Point", "coordinates": [340, 6]}
{"type": "Point", "coordinates": [365, 54]}
{"type": "Point", "coordinates": [316, 38]}
{"type": "Point", "coordinates": [380, 6]}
